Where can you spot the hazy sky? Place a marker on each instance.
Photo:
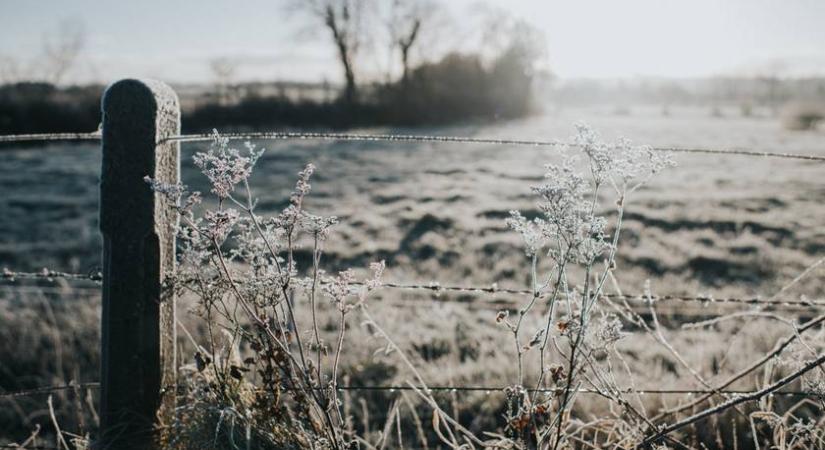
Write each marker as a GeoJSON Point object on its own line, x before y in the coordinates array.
{"type": "Point", "coordinates": [174, 40]}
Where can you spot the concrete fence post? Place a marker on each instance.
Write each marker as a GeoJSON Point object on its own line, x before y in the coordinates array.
{"type": "Point", "coordinates": [138, 321]}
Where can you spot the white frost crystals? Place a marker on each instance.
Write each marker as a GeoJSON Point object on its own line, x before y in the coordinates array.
{"type": "Point", "coordinates": [257, 242]}
{"type": "Point", "coordinates": [570, 228]}
{"type": "Point", "coordinates": [224, 166]}
{"type": "Point", "coordinates": [621, 164]}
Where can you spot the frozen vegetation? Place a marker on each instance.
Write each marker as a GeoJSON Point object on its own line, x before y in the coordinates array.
{"type": "Point", "coordinates": [714, 225]}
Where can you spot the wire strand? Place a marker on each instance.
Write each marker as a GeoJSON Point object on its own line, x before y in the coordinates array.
{"type": "Point", "coordinates": [488, 389]}
{"type": "Point", "coordinates": [360, 137]}
{"type": "Point", "coordinates": [47, 137]}
{"type": "Point", "coordinates": [492, 389]}
{"type": "Point", "coordinates": [51, 275]}
{"type": "Point", "coordinates": [641, 297]}
{"type": "Point", "coordinates": [97, 277]}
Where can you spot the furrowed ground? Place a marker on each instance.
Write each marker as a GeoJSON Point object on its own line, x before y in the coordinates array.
{"type": "Point", "coordinates": [721, 225]}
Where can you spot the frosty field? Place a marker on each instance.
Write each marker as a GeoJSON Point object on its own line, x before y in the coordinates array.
{"type": "Point", "coordinates": [713, 225]}
{"type": "Point", "coordinates": [734, 224]}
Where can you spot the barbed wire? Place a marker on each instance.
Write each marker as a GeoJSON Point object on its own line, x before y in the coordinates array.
{"type": "Point", "coordinates": [97, 277]}
{"type": "Point", "coordinates": [45, 137]}
{"type": "Point", "coordinates": [641, 297]}
{"type": "Point", "coordinates": [93, 293]}
{"type": "Point", "coordinates": [361, 137]}
{"type": "Point", "coordinates": [51, 275]}
{"type": "Point", "coordinates": [49, 389]}
{"type": "Point", "coordinates": [491, 389]}
{"type": "Point", "coordinates": [474, 304]}
{"type": "Point", "coordinates": [44, 390]}
{"type": "Point", "coordinates": [662, 432]}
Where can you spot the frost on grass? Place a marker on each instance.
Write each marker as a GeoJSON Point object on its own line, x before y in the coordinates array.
{"type": "Point", "coordinates": [282, 391]}
{"type": "Point", "coordinates": [267, 372]}
{"type": "Point", "coordinates": [570, 225]}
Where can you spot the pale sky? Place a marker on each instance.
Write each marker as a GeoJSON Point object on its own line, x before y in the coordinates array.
{"type": "Point", "coordinates": [175, 40]}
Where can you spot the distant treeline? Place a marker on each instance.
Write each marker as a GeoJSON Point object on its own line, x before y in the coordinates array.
{"type": "Point", "coordinates": [455, 89]}
{"type": "Point", "coordinates": [42, 107]}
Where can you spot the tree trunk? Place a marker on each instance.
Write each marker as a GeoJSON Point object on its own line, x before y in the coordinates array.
{"type": "Point", "coordinates": [350, 90]}
{"type": "Point", "coordinates": [405, 64]}
{"type": "Point", "coordinates": [406, 45]}
{"type": "Point", "coordinates": [341, 37]}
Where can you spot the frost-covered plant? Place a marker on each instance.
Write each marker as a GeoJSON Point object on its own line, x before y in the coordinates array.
{"type": "Point", "coordinates": [574, 230]}
{"type": "Point", "coordinates": [262, 378]}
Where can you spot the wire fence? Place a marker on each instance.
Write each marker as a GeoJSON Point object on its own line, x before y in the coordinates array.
{"type": "Point", "coordinates": [46, 390]}
{"type": "Point", "coordinates": [51, 275]}
{"type": "Point", "coordinates": [95, 277]}
{"type": "Point", "coordinates": [437, 288]}
{"type": "Point", "coordinates": [50, 137]}
{"type": "Point", "coordinates": [399, 138]}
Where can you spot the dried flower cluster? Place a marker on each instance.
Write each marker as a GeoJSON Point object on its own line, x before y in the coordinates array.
{"type": "Point", "coordinates": [573, 231]}
{"type": "Point", "coordinates": [263, 376]}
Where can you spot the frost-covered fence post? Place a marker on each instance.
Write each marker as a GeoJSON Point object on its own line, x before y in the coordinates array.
{"type": "Point", "coordinates": [138, 321]}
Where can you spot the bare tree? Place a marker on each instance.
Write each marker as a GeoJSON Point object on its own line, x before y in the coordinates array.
{"type": "Point", "coordinates": [346, 22]}
{"type": "Point", "coordinates": [62, 49]}
{"type": "Point", "coordinates": [405, 22]}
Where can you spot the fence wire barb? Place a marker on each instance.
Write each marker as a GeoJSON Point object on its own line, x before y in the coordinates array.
{"type": "Point", "coordinates": [97, 277]}
{"type": "Point", "coordinates": [205, 137]}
